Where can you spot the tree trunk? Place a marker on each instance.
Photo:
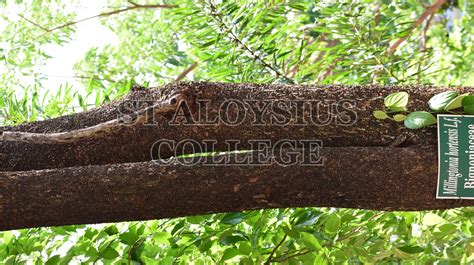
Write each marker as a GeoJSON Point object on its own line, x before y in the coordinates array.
{"type": "Point", "coordinates": [108, 176]}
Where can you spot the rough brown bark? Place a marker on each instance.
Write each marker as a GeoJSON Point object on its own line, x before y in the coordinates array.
{"type": "Point", "coordinates": [109, 177]}
{"type": "Point", "coordinates": [133, 144]}
{"type": "Point", "coordinates": [354, 177]}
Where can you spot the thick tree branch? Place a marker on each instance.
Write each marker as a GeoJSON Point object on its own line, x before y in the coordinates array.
{"type": "Point", "coordinates": [337, 115]}
{"type": "Point", "coordinates": [380, 178]}
{"type": "Point", "coordinates": [102, 179]}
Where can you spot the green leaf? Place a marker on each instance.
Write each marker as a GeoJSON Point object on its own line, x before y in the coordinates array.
{"type": "Point", "coordinates": [307, 217]}
{"type": "Point", "coordinates": [128, 238]}
{"type": "Point", "coordinates": [177, 227]}
{"type": "Point", "coordinates": [380, 115]}
{"type": "Point", "coordinates": [333, 223]}
{"type": "Point", "coordinates": [291, 232]}
{"type": "Point", "coordinates": [468, 104]}
{"type": "Point", "coordinates": [230, 237]}
{"type": "Point", "coordinates": [419, 119]}
{"type": "Point", "coordinates": [469, 109]}
{"type": "Point", "coordinates": [399, 117]}
{"type": "Point", "coordinates": [440, 101]}
{"type": "Point", "coordinates": [7, 237]}
{"type": "Point", "coordinates": [233, 218]}
{"type": "Point", "coordinates": [447, 228]}
{"type": "Point", "coordinates": [229, 253]}
{"type": "Point", "coordinates": [456, 102]}
{"type": "Point", "coordinates": [245, 248]}
{"type": "Point", "coordinates": [310, 241]}
{"type": "Point", "coordinates": [109, 253]}
{"type": "Point", "coordinates": [469, 100]}
{"type": "Point", "coordinates": [430, 219]}
{"type": "Point", "coordinates": [397, 101]}
{"type": "Point", "coordinates": [53, 260]}
{"type": "Point", "coordinates": [321, 259]}
{"type": "Point", "coordinates": [205, 245]}
{"type": "Point", "coordinates": [161, 237]}
{"type": "Point", "coordinates": [412, 249]}
{"type": "Point", "coordinates": [10, 261]}
{"type": "Point", "coordinates": [111, 230]}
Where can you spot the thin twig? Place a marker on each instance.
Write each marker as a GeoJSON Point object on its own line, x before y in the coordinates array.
{"type": "Point", "coordinates": [32, 22]}
{"type": "Point", "coordinates": [245, 47]}
{"type": "Point", "coordinates": [82, 77]}
{"type": "Point", "coordinates": [302, 252]}
{"type": "Point", "coordinates": [275, 249]}
{"type": "Point", "coordinates": [423, 42]}
{"type": "Point", "coordinates": [429, 11]}
{"type": "Point", "coordinates": [105, 14]}
{"type": "Point", "coordinates": [135, 245]}
{"type": "Point", "coordinates": [425, 31]}
{"type": "Point", "coordinates": [186, 72]}
{"type": "Point", "coordinates": [133, 3]}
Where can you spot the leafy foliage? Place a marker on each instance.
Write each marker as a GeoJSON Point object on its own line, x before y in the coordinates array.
{"type": "Point", "coordinates": [302, 41]}
{"type": "Point", "coordinates": [448, 101]}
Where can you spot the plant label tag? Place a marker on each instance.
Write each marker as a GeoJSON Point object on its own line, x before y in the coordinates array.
{"type": "Point", "coordinates": [455, 157]}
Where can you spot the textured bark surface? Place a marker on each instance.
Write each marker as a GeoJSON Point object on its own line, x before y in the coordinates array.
{"type": "Point", "coordinates": [109, 177]}
{"type": "Point", "coordinates": [133, 144]}
{"type": "Point", "coordinates": [353, 177]}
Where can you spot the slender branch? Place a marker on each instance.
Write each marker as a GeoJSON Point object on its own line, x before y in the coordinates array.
{"type": "Point", "coordinates": [104, 14]}
{"type": "Point", "coordinates": [275, 249]}
{"type": "Point", "coordinates": [423, 47]}
{"type": "Point", "coordinates": [429, 11]}
{"type": "Point", "coordinates": [83, 77]}
{"type": "Point", "coordinates": [301, 252]}
{"type": "Point", "coordinates": [215, 14]}
{"type": "Point", "coordinates": [186, 71]}
{"type": "Point", "coordinates": [135, 245]}
{"type": "Point", "coordinates": [425, 31]}
{"type": "Point", "coordinates": [32, 22]}
{"type": "Point", "coordinates": [133, 3]}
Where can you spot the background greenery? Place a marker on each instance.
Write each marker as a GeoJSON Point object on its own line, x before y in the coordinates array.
{"type": "Point", "coordinates": [309, 42]}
